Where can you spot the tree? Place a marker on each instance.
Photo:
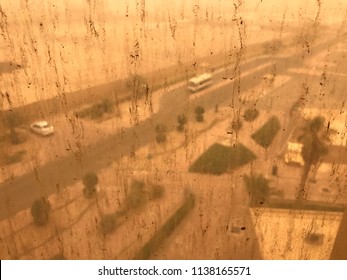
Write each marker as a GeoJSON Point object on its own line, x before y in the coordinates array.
{"type": "Point", "coordinates": [40, 211]}
{"type": "Point", "coordinates": [107, 105]}
{"type": "Point", "coordinates": [182, 120]}
{"type": "Point", "coordinates": [199, 114]}
{"type": "Point", "coordinates": [13, 120]}
{"type": "Point", "coordinates": [314, 139]}
{"type": "Point", "coordinates": [90, 180]}
{"type": "Point", "coordinates": [161, 131]}
{"type": "Point", "coordinates": [157, 191]}
{"type": "Point", "coordinates": [97, 111]}
{"type": "Point", "coordinates": [259, 188]}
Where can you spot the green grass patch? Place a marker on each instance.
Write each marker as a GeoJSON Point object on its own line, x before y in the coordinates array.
{"type": "Point", "coordinates": [250, 114]}
{"type": "Point", "coordinates": [218, 159]}
{"type": "Point", "coordinates": [265, 135]}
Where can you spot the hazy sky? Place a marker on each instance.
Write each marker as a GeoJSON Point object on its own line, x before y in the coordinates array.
{"type": "Point", "coordinates": [292, 8]}
{"type": "Point", "coordinates": [62, 40]}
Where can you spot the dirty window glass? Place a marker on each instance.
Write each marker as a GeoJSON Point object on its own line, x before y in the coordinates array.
{"type": "Point", "coordinates": [173, 129]}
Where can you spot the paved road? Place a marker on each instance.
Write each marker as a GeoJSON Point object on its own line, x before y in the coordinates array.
{"type": "Point", "coordinates": [19, 193]}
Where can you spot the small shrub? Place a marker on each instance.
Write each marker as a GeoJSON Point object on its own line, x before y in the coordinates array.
{"type": "Point", "coordinates": [314, 238]}
{"type": "Point", "coordinates": [199, 110]}
{"type": "Point", "coordinates": [199, 114]}
{"type": "Point", "coordinates": [180, 128]}
{"type": "Point", "coordinates": [199, 118]}
{"type": "Point", "coordinates": [96, 111]}
{"type": "Point", "coordinates": [107, 106]}
{"type": "Point", "coordinates": [90, 180]}
{"type": "Point", "coordinates": [259, 188]}
{"type": "Point", "coordinates": [40, 211]}
{"type": "Point", "coordinates": [257, 185]}
{"type": "Point", "coordinates": [251, 114]}
{"type": "Point", "coordinates": [157, 191]}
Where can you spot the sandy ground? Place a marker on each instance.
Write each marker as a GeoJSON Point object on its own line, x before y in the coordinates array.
{"type": "Point", "coordinates": [74, 225]}
{"type": "Point", "coordinates": [73, 133]}
{"type": "Point", "coordinates": [206, 233]}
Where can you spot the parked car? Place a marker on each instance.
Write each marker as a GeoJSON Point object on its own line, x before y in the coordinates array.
{"type": "Point", "coordinates": [293, 154]}
{"type": "Point", "coordinates": [42, 128]}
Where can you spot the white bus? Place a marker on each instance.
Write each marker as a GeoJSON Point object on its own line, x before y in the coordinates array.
{"type": "Point", "coordinates": [199, 82]}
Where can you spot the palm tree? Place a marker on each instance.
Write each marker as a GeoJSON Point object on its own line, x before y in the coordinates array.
{"type": "Point", "coordinates": [314, 139]}
{"type": "Point", "coordinates": [259, 188]}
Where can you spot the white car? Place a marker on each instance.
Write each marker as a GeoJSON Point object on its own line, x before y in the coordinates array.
{"type": "Point", "coordinates": [42, 127]}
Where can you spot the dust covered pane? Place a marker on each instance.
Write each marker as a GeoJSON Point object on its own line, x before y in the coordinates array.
{"type": "Point", "coordinates": [185, 130]}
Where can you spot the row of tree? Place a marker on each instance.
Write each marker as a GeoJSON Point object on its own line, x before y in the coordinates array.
{"type": "Point", "coordinates": [161, 130]}
{"type": "Point", "coordinates": [41, 208]}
